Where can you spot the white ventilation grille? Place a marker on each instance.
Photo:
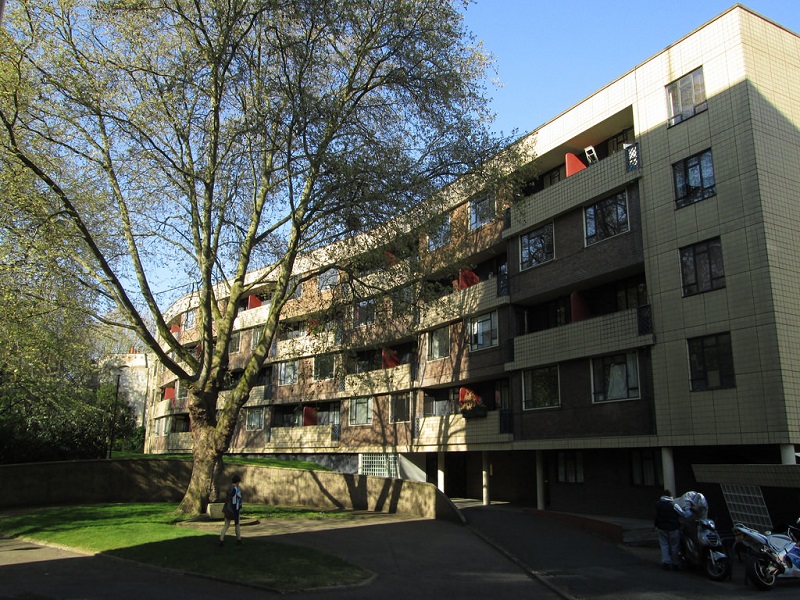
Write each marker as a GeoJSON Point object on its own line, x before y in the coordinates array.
{"type": "Point", "coordinates": [746, 506]}
{"type": "Point", "coordinates": [378, 464]}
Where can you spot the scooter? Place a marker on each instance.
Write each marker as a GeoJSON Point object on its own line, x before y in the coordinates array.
{"type": "Point", "coordinates": [701, 545]}
{"type": "Point", "coordinates": [770, 555]}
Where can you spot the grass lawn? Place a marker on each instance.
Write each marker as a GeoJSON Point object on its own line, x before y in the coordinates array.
{"type": "Point", "coordinates": [147, 533]}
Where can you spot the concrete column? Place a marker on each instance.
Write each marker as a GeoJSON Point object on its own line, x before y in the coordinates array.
{"type": "Point", "coordinates": [540, 502]}
{"type": "Point", "coordinates": [485, 468]}
{"type": "Point", "coordinates": [440, 472]}
{"type": "Point", "coordinates": [668, 468]}
{"type": "Point", "coordinates": [788, 454]}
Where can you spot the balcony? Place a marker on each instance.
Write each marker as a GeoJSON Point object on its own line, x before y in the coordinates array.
{"type": "Point", "coordinates": [309, 436]}
{"type": "Point", "coordinates": [380, 381]}
{"type": "Point", "coordinates": [608, 174]}
{"type": "Point", "coordinates": [306, 345]}
{"type": "Point", "coordinates": [482, 296]}
{"type": "Point", "coordinates": [179, 441]}
{"type": "Point", "coordinates": [599, 335]}
{"type": "Point", "coordinates": [455, 430]}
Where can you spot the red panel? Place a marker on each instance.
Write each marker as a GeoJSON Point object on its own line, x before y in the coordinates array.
{"type": "Point", "coordinates": [169, 393]}
{"type": "Point", "coordinates": [390, 358]}
{"type": "Point", "coordinates": [574, 164]}
{"type": "Point", "coordinates": [467, 278]}
{"type": "Point", "coordinates": [578, 307]}
{"type": "Point", "coordinates": [253, 302]}
{"type": "Point", "coordinates": [309, 416]}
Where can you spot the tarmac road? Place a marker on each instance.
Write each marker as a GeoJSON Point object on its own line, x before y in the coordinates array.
{"type": "Point", "coordinates": [503, 553]}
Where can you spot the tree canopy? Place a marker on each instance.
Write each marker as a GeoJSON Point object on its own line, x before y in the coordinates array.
{"type": "Point", "coordinates": [200, 141]}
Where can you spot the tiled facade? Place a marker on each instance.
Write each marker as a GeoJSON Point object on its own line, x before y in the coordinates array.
{"type": "Point", "coordinates": [621, 322]}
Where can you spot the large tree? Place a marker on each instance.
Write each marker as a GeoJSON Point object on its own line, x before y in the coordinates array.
{"type": "Point", "coordinates": [215, 138]}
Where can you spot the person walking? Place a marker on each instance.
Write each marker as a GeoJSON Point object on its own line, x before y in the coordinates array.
{"type": "Point", "coordinates": [231, 510]}
{"type": "Point", "coordinates": [667, 524]}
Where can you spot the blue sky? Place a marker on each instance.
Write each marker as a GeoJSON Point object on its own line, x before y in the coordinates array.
{"type": "Point", "coordinates": [550, 55]}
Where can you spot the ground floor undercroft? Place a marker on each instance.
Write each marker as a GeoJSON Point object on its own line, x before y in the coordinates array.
{"type": "Point", "coordinates": [616, 482]}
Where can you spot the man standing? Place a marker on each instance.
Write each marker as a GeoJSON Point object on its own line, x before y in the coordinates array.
{"type": "Point", "coordinates": [233, 505]}
{"type": "Point", "coordinates": [667, 525]}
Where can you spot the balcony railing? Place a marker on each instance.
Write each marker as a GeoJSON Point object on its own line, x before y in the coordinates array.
{"type": "Point", "coordinates": [309, 436]}
{"type": "Point", "coordinates": [454, 429]}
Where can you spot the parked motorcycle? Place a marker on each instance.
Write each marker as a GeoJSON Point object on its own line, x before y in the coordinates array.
{"type": "Point", "coordinates": [701, 545]}
{"type": "Point", "coordinates": [770, 555]}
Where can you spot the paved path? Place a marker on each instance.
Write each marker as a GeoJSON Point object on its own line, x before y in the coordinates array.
{"type": "Point", "coordinates": [503, 552]}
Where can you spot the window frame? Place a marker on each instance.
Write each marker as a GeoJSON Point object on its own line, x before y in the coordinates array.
{"type": "Point", "coordinates": [327, 280]}
{"type": "Point", "coordinates": [474, 322]}
{"type": "Point", "coordinates": [697, 165]}
{"type": "Point", "coordinates": [364, 312]}
{"type": "Point", "coordinates": [481, 211]}
{"type": "Point", "coordinates": [715, 347]}
{"type": "Point", "coordinates": [549, 250]}
{"type": "Point", "coordinates": [532, 403]}
{"type": "Point", "coordinates": [249, 412]}
{"type": "Point", "coordinates": [679, 109]}
{"type": "Point", "coordinates": [601, 218]}
{"type": "Point", "coordinates": [607, 362]}
{"type": "Point", "coordinates": [699, 262]}
{"type": "Point", "coordinates": [441, 235]}
{"type": "Point", "coordinates": [444, 331]}
{"type": "Point", "coordinates": [283, 371]}
{"type": "Point", "coordinates": [569, 467]}
{"type": "Point", "coordinates": [317, 358]}
{"type": "Point", "coordinates": [190, 319]}
{"type": "Point", "coordinates": [235, 343]}
{"type": "Point", "coordinates": [354, 418]}
{"type": "Point", "coordinates": [403, 398]}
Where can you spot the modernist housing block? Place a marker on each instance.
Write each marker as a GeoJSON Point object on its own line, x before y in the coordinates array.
{"type": "Point", "coordinates": [630, 321]}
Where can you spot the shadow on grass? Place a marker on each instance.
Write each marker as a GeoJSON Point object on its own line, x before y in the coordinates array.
{"type": "Point", "coordinates": [280, 567]}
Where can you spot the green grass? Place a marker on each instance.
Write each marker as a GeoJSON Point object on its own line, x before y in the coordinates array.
{"type": "Point", "coordinates": [148, 533]}
{"type": "Point", "coordinates": [231, 460]}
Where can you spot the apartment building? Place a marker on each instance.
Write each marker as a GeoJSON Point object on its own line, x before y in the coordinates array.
{"type": "Point", "coordinates": [630, 321]}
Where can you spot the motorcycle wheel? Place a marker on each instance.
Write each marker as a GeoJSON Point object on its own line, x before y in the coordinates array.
{"type": "Point", "coordinates": [760, 572]}
{"type": "Point", "coordinates": [718, 570]}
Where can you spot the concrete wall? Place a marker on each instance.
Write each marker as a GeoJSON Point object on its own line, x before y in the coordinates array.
{"type": "Point", "coordinates": [78, 482]}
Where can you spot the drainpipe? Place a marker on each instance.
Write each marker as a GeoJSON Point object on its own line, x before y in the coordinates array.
{"type": "Point", "coordinates": [486, 468]}
{"type": "Point", "coordinates": [440, 472]}
{"type": "Point", "coordinates": [540, 480]}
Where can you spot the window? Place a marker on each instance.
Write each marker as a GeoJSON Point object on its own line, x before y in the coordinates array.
{"type": "Point", "coordinates": [694, 179]}
{"type": "Point", "coordinates": [606, 218]}
{"type": "Point", "coordinates": [483, 331]}
{"type": "Point", "coordinates": [183, 390]}
{"type": "Point", "coordinates": [323, 367]}
{"type": "Point", "coordinates": [234, 343]}
{"type": "Point", "coordinates": [615, 377]}
{"type": "Point", "coordinates": [439, 343]}
{"type": "Point", "coordinates": [701, 267]}
{"type": "Point", "coordinates": [536, 247]}
{"type": "Point", "coordinates": [255, 337]}
{"type": "Point", "coordinates": [440, 403]}
{"type": "Point", "coordinates": [402, 301]}
{"type": "Point", "coordinates": [400, 408]}
{"type": "Point", "coordinates": [254, 418]}
{"type": "Point", "coordinates": [686, 97]}
{"type": "Point", "coordinates": [540, 388]}
{"type": "Point", "coordinates": [190, 319]}
{"type": "Point", "coordinates": [570, 466]}
{"type": "Point", "coordinates": [481, 211]}
{"type": "Point", "coordinates": [711, 362]}
{"type": "Point", "coordinates": [361, 411]}
{"type": "Point", "coordinates": [440, 235]}
{"type": "Point", "coordinates": [294, 289]}
{"type": "Point", "coordinates": [287, 372]}
{"type": "Point", "coordinates": [291, 330]}
{"type": "Point", "coordinates": [328, 280]}
{"type": "Point", "coordinates": [364, 312]}
{"type": "Point", "coordinates": [646, 468]}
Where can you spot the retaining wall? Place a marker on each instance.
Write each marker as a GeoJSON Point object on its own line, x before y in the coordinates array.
{"type": "Point", "coordinates": [146, 480]}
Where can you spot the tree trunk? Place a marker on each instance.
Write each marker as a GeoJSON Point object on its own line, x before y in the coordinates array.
{"type": "Point", "coordinates": [207, 464]}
